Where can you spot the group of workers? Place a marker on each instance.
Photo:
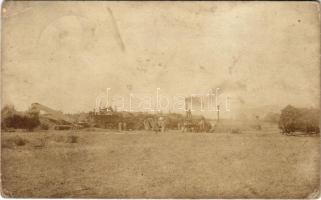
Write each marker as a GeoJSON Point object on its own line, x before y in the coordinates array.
{"type": "Point", "coordinates": [158, 124]}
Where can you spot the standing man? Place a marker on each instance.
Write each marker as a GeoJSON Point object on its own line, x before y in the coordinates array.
{"type": "Point", "coordinates": [119, 126]}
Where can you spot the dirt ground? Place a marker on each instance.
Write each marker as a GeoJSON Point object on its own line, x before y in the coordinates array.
{"type": "Point", "coordinates": [143, 164]}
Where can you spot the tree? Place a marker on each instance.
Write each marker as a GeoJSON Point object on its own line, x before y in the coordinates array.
{"type": "Point", "coordinates": [272, 117]}
{"type": "Point", "coordinates": [21, 122]}
{"type": "Point", "coordinates": [299, 119]}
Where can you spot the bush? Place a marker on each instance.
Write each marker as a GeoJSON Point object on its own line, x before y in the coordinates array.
{"type": "Point", "coordinates": [20, 142]}
{"type": "Point", "coordinates": [44, 126]}
{"type": "Point", "coordinates": [72, 139]}
{"type": "Point", "coordinates": [299, 119]}
{"type": "Point", "coordinates": [13, 142]}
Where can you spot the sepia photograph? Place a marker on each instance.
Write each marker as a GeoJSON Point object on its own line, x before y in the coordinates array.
{"type": "Point", "coordinates": [160, 99]}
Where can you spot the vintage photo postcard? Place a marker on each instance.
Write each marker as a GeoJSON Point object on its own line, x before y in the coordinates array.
{"type": "Point", "coordinates": [160, 99]}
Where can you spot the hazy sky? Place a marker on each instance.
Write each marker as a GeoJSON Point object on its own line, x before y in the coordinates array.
{"type": "Point", "coordinates": [64, 54]}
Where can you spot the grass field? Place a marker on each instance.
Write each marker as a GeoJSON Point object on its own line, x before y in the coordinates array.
{"type": "Point", "coordinates": [148, 165]}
